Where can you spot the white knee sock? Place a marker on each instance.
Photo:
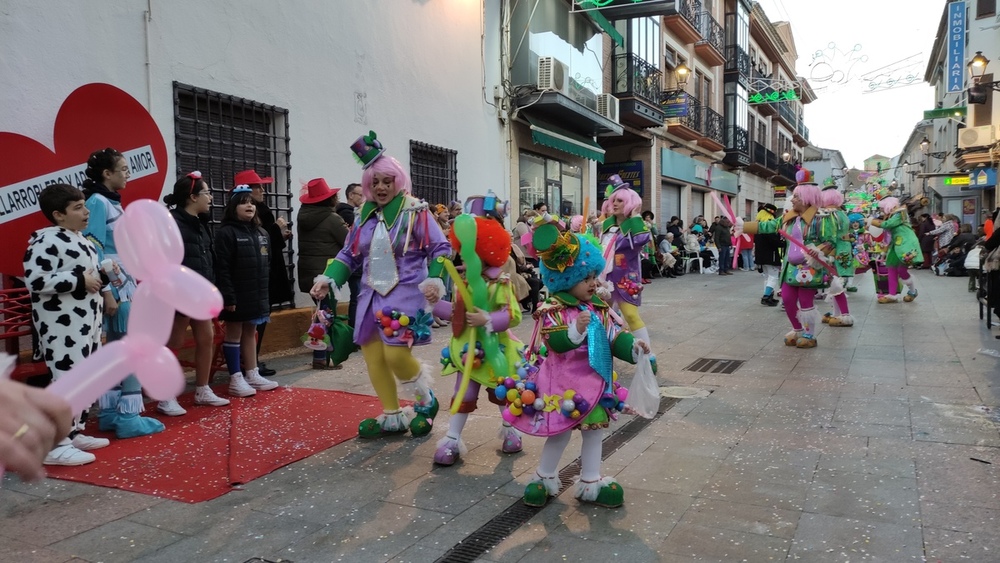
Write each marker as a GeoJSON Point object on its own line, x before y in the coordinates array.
{"type": "Point", "coordinates": [590, 455]}
{"type": "Point", "coordinates": [548, 465]}
{"type": "Point", "coordinates": [456, 424]}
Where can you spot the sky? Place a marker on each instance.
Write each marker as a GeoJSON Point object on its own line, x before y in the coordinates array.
{"type": "Point", "coordinates": [865, 59]}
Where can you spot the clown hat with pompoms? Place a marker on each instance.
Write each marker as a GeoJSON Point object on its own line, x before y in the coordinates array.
{"type": "Point", "coordinates": [566, 258]}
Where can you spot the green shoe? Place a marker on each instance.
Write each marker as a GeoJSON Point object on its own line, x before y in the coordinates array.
{"type": "Point", "coordinates": [535, 494]}
{"type": "Point", "coordinates": [429, 411]}
{"type": "Point", "coordinates": [370, 428]}
{"type": "Point", "coordinates": [421, 425]}
{"type": "Point", "coordinates": [852, 289]}
{"type": "Point", "coordinates": [611, 495]}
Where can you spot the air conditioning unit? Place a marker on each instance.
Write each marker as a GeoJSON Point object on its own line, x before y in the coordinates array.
{"type": "Point", "coordinates": [607, 106]}
{"type": "Point", "coordinates": [553, 74]}
{"type": "Point", "coordinates": [976, 137]}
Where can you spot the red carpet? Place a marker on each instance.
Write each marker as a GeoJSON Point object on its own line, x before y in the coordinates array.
{"type": "Point", "coordinates": [206, 452]}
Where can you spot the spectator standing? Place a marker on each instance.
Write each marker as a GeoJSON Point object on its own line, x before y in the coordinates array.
{"type": "Point", "coordinates": [280, 287]}
{"type": "Point", "coordinates": [322, 232]}
{"type": "Point", "coordinates": [355, 197]}
{"type": "Point", "coordinates": [59, 288]}
{"type": "Point", "coordinates": [721, 232]}
{"type": "Point", "coordinates": [107, 174]}
{"type": "Point", "coordinates": [242, 274]}
{"type": "Point", "coordinates": [190, 201]}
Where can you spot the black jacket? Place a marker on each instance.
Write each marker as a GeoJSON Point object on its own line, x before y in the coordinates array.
{"type": "Point", "coordinates": [242, 266]}
{"type": "Point", "coordinates": [198, 252]}
{"type": "Point", "coordinates": [346, 212]}
{"type": "Point", "coordinates": [281, 286]}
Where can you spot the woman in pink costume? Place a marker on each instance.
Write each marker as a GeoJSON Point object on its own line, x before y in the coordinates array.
{"type": "Point", "coordinates": [801, 272]}
{"type": "Point", "coordinates": [575, 385]}
{"type": "Point", "coordinates": [623, 235]}
{"type": "Point", "coordinates": [903, 249]}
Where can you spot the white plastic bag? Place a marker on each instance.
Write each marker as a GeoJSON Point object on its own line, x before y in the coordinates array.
{"type": "Point", "coordinates": [644, 392]}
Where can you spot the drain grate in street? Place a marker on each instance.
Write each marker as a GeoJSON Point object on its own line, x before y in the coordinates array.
{"type": "Point", "coordinates": [715, 365]}
{"type": "Point", "coordinates": [502, 525]}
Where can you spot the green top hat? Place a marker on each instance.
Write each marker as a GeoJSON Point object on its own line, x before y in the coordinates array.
{"type": "Point", "coordinates": [367, 149]}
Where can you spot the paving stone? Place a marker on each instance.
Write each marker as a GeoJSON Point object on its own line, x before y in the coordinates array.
{"type": "Point", "coordinates": [17, 551]}
{"type": "Point", "coordinates": [821, 537]}
{"type": "Point", "coordinates": [953, 424]}
{"type": "Point", "coordinates": [43, 522]}
{"type": "Point", "coordinates": [117, 541]}
{"type": "Point", "coordinates": [717, 543]}
{"type": "Point", "coordinates": [767, 521]}
{"type": "Point", "coordinates": [863, 496]}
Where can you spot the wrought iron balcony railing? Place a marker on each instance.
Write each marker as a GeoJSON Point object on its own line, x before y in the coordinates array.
{"type": "Point", "coordinates": [711, 32]}
{"type": "Point", "coordinates": [689, 10]}
{"type": "Point", "coordinates": [737, 60]}
{"type": "Point", "coordinates": [737, 139]}
{"type": "Point", "coordinates": [758, 155]}
{"type": "Point", "coordinates": [636, 77]}
{"type": "Point", "coordinates": [714, 124]}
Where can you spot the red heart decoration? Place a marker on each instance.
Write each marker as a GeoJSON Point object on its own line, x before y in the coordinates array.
{"type": "Point", "coordinates": [92, 117]}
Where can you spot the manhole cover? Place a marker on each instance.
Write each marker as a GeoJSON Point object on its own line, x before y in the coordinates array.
{"type": "Point", "coordinates": [683, 392]}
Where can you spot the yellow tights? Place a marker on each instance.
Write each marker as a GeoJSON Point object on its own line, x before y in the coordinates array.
{"type": "Point", "coordinates": [383, 361]}
{"type": "Point", "coordinates": [631, 315]}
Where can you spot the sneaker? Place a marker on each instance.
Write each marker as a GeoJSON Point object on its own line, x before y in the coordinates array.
{"type": "Point", "coordinates": [87, 443]}
{"type": "Point", "coordinates": [264, 370]}
{"type": "Point", "coordinates": [205, 396]}
{"type": "Point", "coordinates": [238, 387]}
{"type": "Point", "coordinates": [68, 454]}
{"type": "Point", "coordinates": [170, 408]}
{"type": "Point", "coordinates": [259, 383]}
{"type": "Point", "coordinates": [766, 300]}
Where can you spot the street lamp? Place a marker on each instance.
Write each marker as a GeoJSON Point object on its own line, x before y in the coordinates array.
{"type": "Point", "coordinates": [977, 69]}
{"type": "Point", "coordinates": [681, 74]}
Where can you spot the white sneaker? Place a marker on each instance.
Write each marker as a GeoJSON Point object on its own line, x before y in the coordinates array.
{"type": "Point", "coordinates": [238, 387]}
{"type": "Point", "coordinates": [170, 408]}
{"type": "Point", "coordinates": [205, 396]}
{"type": "Point", "coordinates": [258, 382]}
{"type": "Point", "coordinates": [86, 443]}
{"type": "Point", "coordinates": [66, 454]}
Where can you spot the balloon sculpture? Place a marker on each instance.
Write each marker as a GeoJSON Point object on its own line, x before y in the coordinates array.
{"type": "Point", "coordinates": [151, 249]}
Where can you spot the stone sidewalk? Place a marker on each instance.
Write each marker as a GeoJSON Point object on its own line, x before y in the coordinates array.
{"type": "Point", "coordinates": [879, 445]}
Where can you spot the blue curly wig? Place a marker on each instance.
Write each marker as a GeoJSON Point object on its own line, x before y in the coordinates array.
{"type": "Point", "coordinates": [856, 218]}
{"type": "Point", "coordinates": [588, 261]}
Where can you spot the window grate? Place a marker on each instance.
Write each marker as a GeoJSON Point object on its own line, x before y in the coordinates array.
{"type": "Point", "coordinates": [220, 135]}
{"type": "Point", "coordinates": [433, 173]}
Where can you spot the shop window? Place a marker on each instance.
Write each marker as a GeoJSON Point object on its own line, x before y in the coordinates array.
{"type": "Point", "coordinates": [557, 184]}
{"type": "Point", "coordinates": [433, 173]}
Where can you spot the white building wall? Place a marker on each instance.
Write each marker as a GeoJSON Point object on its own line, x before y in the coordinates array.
{"type": "Point", "coordinates": [408, 70]}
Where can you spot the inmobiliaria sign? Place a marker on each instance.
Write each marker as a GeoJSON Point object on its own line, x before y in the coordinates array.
{"type": "Point", "coordinates": [93, 117]}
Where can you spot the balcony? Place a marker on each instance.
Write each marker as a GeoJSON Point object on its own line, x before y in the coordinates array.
{"type": "Point", "coordinates": [786, 113]}
{"type": "Point", "coordinates": [712, 138]}
{"type": "Point", "coordinates": [684, 115]}
{"type": "Point", "coordinates": [637, 87]}
{"type": "Point", "coordinates": [737, 60]}
{"type": "Point", "coordinates": [712, 47]}
{"type": "Point", "coordinates": [786, 175]}
{"type": "Point", "coordinates": [801, 134]}
{"type": "Point", "coordinates": [737, 146]}
{"type": "Point", "coordinates": [763, 162]}
{"type": "Point", "coordinates": [682, 20]}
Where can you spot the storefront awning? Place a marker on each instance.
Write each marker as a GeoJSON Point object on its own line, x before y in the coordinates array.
{"type": "Point", "coordinates": [549, 135]}
{"type": "Point", "coordinates": [603, 23]}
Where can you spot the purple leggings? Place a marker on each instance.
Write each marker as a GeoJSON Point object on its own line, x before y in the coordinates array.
{"type": "Point", "coordinates": [795, 298]}
{"type": "Point", "coordinates": [897, 273]}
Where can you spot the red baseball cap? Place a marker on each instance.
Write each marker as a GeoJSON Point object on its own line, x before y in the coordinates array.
{"type": "Point", "coordinates": [250, 177]}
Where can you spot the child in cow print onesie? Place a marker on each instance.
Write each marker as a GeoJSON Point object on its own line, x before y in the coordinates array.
{"type": "Point", "coordinates": [65, 281]}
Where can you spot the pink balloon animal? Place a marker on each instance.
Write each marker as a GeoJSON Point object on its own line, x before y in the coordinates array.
{"type": "Point", "coordinates": [151, 248]}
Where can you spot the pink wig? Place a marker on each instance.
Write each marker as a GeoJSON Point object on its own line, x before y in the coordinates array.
{"type": "Point", "coordinates": [831, 198]}
{"type": "Point", "coordinates": [888, 204]}
{"type": "Point", "coordinates": [576, 224]}
{"type": "Point", "coordinates": [809, 194]}
{"type": "Point", "coordinates": [389, 166]}
{"type": "Point", "coordinates": [628, 196]}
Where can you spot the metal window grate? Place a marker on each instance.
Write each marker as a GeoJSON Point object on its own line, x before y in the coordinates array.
{"type": "Point", "coordinates": [221, 134]}
{"type": "Point", "coordinates": [490, 534]}
{"type": "Point", "coordinates": [715, 365]}
{"type": "Point", "coordinates": [434, 173]}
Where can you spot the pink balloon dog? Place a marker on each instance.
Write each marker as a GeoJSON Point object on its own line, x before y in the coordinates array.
{"type": "Point", "coordinates": [151, 248]}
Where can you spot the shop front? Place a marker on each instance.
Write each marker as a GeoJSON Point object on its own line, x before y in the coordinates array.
{"type": "Point", "coordinates": [689, 182]}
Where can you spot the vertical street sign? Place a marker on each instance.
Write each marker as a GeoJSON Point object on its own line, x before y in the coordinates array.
{"type": "Point", "coordinates": [955, 73]}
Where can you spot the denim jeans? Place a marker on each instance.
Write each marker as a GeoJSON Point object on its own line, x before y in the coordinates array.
{"type": "Point", "coordinates": [725, 259]}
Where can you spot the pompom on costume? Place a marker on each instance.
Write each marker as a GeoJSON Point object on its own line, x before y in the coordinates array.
{"type": "Point", "coordinates": [492, 246]}
{"type": "Point", "coordinates": [624, 244]}
{"type": "Point", "coordinates": [801, 273]}
{"type": "Point", "coordinates": [575, 385]}
{"type": "Point", "coordinates": [400, 249]}
{"type": "Point", "coordinates": [903, 249]}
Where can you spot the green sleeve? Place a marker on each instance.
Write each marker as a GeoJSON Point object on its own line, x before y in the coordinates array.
{"type": "Point", "coordinates": [337, 271]}
{"type": "Point", "coordinates": [894, 220]}
{"type": "Point", "coordinates": [435, 268]}
{"type": "Point", "coordinates": [558, 340]}
{"type": "Point", "coordinates": [621, 348]}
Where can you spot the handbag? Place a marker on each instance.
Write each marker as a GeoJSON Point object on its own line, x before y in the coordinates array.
{"type": "Point", "coordinates": [644, 392]}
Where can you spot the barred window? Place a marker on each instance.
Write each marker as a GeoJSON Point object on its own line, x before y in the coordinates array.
{"type": "Point", "coordinates": [434, 173]}
{"type": "Point", "coordinates": [220, 135]}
